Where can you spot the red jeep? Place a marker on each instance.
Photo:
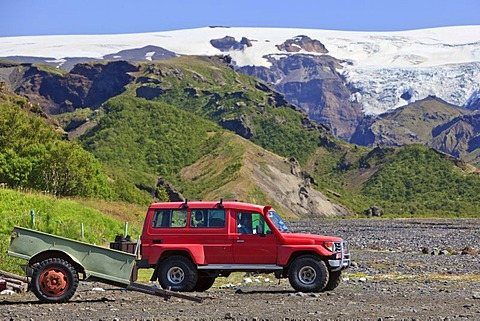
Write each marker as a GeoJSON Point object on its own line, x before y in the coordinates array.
{"type": "Point", "coordinates": [189, 244]}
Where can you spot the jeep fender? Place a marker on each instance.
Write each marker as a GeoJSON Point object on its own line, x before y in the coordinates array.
{"type": "Point", "coordinates": [195, 251]}
{"type": "Point", "coordinates": [285, 252]}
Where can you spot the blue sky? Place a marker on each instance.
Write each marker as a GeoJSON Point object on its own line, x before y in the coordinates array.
{"type": "Point", "coordinates": [53, 17]}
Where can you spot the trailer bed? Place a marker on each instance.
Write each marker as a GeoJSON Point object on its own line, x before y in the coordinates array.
{"type": "Point", "coordinates": [55, 262]}
{"type": "Point", "coordinates": [99, 263]}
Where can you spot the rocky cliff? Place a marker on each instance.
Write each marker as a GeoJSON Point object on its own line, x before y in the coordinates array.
{"type": "Point", "coordinates": [86, 85]}
{"type": "Point", "coordinates": [304, 43]}
{"type": "Point", "coordinates": [460, 137]}
{"type": "Point", "coordinates": [314, 84]}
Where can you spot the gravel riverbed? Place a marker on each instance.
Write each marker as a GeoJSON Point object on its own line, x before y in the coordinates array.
{"type": "Point", "coordinates": [403, 269]}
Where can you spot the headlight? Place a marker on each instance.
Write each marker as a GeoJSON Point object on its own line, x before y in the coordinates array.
{"type": "Point", "coordinates": [329, 245]}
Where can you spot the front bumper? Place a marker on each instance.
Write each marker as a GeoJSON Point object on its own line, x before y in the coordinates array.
{"type": "Point", "coordinates": [341, 259]}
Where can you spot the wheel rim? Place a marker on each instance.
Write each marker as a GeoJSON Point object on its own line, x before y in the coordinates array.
{"type": "Point", "coordinates": [175, 275]}
{"type": "Point", "coordinates": [54, 282]}
{"type": "Point", "coordinates": [307, 275]}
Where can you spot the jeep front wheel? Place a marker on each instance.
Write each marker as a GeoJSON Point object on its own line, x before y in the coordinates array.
{"type": "Point", "coordinates": [177, 273]}
{"type": "Point", "coordinates": [333, 280]}
{"type": "Point", "coordinates": [308, 274]}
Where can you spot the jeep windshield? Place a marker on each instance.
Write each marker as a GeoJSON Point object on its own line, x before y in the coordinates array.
{"type": "Point", "coordinates": [278, 222]}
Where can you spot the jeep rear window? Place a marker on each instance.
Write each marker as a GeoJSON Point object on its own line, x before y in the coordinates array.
{"type": "Point", "coordinates": [169, 218]}
{"type": "Point", "coordinates": [207, 218]}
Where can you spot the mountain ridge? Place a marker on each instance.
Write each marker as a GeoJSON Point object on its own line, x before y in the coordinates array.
{"type": "Point", "coordinates": [430, 121]}
{"type": "Point", "coordinates": [369, 73]}
{"type": "Point", "coordinates": [382, 70]}
{"type": "Point", "coordinates": [176, 133]}
{"type": "Point", "coordinates": [375, 71]}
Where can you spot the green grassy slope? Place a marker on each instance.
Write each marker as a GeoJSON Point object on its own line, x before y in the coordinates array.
{"type": "Point", "coordinates": [417, 180]}
{"type": "Point", "coordinates": [102, 220]}
{"type": "Point", "coordinates": [34, 155]}
{"type": "Point", "coordinates": [410, 180]}
{"type": "Point", "coordinates": [208, 88]}
{"type": "Point", "coordinates": [139, 140]}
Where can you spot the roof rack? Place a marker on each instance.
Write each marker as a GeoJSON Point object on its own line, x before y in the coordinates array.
{"type": "Point", "coordinates": [221, 202]}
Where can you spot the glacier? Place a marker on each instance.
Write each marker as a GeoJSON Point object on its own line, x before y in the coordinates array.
{"type": "Point", "coordinates": [380, 90]}
{"type": "Point", "coordinates": [385, 70]}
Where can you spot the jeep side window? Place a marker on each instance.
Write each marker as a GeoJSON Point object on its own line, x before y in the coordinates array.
{"type": "Point", "coordinates": [251, 223]}
{"type": "Point", "coordinates": [244, 223]}
{"type": "Point", "coordinates": [216, 218]}
{"type": "Point", "coordinates": [259, 225]}
{"type": "Point", "coordinates": [169, 218]}
{"type": "Point", "coordinates": [198, 218]}
{"type": "Point", "coordinates": [207, 218]}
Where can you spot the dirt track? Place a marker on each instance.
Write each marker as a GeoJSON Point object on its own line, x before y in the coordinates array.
{"type": "Point", "coordinates": [392, 279]}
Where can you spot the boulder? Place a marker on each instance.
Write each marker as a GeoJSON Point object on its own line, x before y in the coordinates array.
{"type": "Point", "coordinates": [374, 211]}
{"type": "Point", "coordinates": [467, 250]}
{"type": "Point", "coordinates": [149, 92]}
{"type": "Point", "coordinates": [240, 126]}
{"type": "Point", "coordinates": [173, 194]}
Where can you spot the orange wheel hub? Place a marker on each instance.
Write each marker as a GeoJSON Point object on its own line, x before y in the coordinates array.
{"type": "Point", "coordinates": [53, 282]}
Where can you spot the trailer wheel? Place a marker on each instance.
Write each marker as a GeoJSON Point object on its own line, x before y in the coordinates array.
{"type": "Point", "coordinates": [333, 281]}
{"type": "Point", "coordinates": [177, 273]}
{"type": "Point", "coordinates": [308, 274]}
{"type": "Point", "coordinates": [54, 280]}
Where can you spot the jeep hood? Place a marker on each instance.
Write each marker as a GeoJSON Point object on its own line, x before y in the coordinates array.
{"type": "Point", "coordinates": [307, 239]}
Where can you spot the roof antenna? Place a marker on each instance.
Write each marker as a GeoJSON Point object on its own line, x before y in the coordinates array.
{"type": "Point", "coordinates": [185, 205]}
{"type": "Point", "coordinates": [221, 203]}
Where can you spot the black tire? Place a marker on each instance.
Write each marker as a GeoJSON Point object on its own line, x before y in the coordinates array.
{"type": "Point", "coordinates": [177, 273]}
{"type": "Point", "coordinates": [203, 284]}
{"type": "Point", "coordinates": [308, 274]}
{"type": "Point", "coordinates": [54, 280]}
{"type": "Point", "coordinates": [333, 280]}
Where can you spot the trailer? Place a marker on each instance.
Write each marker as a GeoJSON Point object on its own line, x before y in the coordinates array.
{"type": "Point", "coordinates": [56, 264]}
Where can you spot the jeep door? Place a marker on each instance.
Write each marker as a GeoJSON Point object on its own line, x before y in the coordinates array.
{"type": "Point", "coordinates": [254, 241]}
{"type": "Point", "coordinates": [208, 227]}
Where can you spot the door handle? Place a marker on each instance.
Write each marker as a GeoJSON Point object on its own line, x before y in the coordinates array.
{"type": "Point", "coordinates": [240, 241]}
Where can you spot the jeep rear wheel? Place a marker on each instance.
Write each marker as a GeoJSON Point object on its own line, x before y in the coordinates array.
{"type": "Point", "coordinates": [203, 283]}
{"type": "Point", "coordinates": [308, 274]}
{"type": "Point", "coordinates": [177, 273]}
{"type": "Point", "coordinates": [54, 280]}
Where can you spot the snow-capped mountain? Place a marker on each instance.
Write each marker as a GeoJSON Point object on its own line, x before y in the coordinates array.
{"type": "Point", "coordinates": [382, 70]}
